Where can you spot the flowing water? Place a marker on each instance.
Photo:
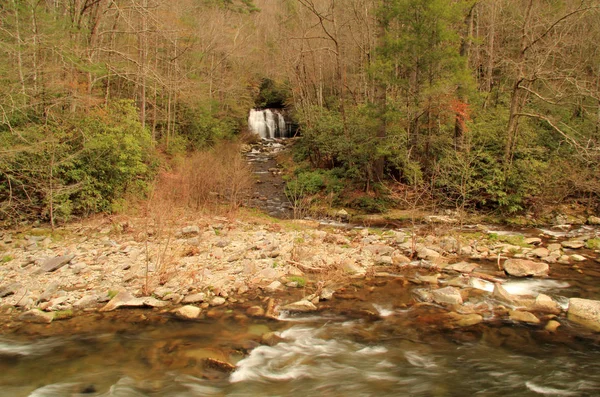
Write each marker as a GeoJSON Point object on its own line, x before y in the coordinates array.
{"type": "Point", "coordinates": [369, 341]}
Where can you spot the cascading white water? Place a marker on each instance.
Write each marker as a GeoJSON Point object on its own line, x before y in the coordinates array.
{"type": "Point", "coordinates": [267, 123]}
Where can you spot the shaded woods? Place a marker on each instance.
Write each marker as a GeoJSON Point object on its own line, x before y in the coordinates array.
{"type": "Point", "coordinates": [482, 104]}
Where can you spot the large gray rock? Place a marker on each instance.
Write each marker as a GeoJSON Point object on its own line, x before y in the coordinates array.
{"type": "Point", "coordinates": [447, 296]}
{"type": "Point", "coordinates": [302, 306]}
{"type": "Point", "coordinates": [585, 312]}
{"type": "Point", "coordinates": [37, 316]}
{"type": "Point", "coordinates": [524, 268]}
{"type": "Point", "coordinates": [53, 264]}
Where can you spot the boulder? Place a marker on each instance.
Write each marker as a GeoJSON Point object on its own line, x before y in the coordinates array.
{"type": "Point", "coordinates": [552, 326]}
{"type": "Point", "coordinates": [189, 231]}
{"type": "Point", "coordinates": [187, 312]}
{"type": "Point", "coordinates": [427, 254]}
{"type": "Point", "coordinates": [585, 312]}
{"type": "Point", "coordinates": [578, 258]}
{"type": "Point", "coordinates": [540, 252]}
{"type": "Point", "coordinates": [274, 286]}
{"type": "Point", "coordinates": [217, 301]}
{"type": "Point", "coordinates": [533, 240]}
{"type": "Point", "coordinates": [447, 296]}
{"type": "Point", "coordinates": [37, 316]}
{"type": "Point", "coordinates": [524, 268]}
{"type": "Point", "coordinates": [593, 220]}
{"type": "Point", "coordinates": [554, 247]}
{"type": "Point", "coordinates": [502, 294]}
{"type": "Point", "coordinates": [86, 302]}
{"type": "Point", "coordinates": [53, 264]}
{"type": "Point", "coordinates": [255, 311]}
{"type": "Point", "coordinates": [302, 306]}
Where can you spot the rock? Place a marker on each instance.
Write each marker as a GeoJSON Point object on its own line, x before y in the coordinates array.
{"type": "Point", "coordinates": [533, 241]}
{"type": "Point", "coordinates": [126, 299]}
{"type": "Point", "coordinates": [502, 295]}
{"type": "Point", "coordinates": [49, 291]}
{"type": "Point", "coordinates": [255, 311]}
{"type": "Point", "coordinates": [187, 312]}
{"type": "Point", "coordinates": [399, 259]}
{"type": "Point", "coordinates": [464, 320]}
{"type": "Point", "coordinates": [447, 296]}
{"type": "Point", "coordinates": [427, 254]}
{"type": "Point", "coordinates": [428, 279]}
{"type": "Point", "coordinates": [524, 317]}
{"type": "Point", "coordinates": [274, 286]}
{"type": "Point", "coordinates": [219, 365]}
{"type": "Point", "coordinates": [552, 326]}
{"type": "Point", "coordinates": [326, 294]}
{"type": "Point", "coordinates": [578, 258]}
{"type": "Point", "coordinates": [384, 261]}
{"type": "Point", "coordinates": [194, 298]}
{"type": "Point", "coordinates": [53, 264]}
{"type": "Point", "coordinates": [190, 231]}
{"type": "Point", "coordinates": [37, 316]}
{"type": "Point", "coordinates": [573, 244]}
{"type": "Point", "coordinates": [540, 252]}
{"type": "Point", "coordinates": [462, 267]}
{"type": "Point", "coordinates": [302, 306]}
{"type": "Point", "coordinates": [342, 215]}
{"type": "Point", "coordinates": [585, 312]}
{"type": "Point", "coordinates": [217, 301]}
{"type": "Point", "coordinates": [270, 339]}
{"type": "Point", "coordinates": [593, 220]}
{"type": "Point", "coordinates": [554, 247]}
{"type": "Point", "coordinates": [524, 268]}
{"type": "Point", "coordinates": [9, 289]}
{"type": "Point", "coordinates": [546, 304]}
{"type": "Point", "coordinates": [86, 302]}
{"type": "Point", "coordinates": [379, 249]}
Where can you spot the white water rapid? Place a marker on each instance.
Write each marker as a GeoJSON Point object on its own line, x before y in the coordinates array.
{"type": "Point", "coordinates": [267, 123]}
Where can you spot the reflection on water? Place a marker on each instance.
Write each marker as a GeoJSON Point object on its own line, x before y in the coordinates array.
{"type": "Point", "coordinates": [326, 356]}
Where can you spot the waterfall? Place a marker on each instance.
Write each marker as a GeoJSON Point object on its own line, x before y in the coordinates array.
{"type": "Point", "coordinates": [267, 123]}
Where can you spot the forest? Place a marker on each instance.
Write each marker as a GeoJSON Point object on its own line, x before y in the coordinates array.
{"type": "Point", "coordinates": [474, 104]}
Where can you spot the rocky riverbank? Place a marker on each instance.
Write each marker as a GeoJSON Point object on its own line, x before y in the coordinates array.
{"type": "Point", "coordinates": [209, 264]}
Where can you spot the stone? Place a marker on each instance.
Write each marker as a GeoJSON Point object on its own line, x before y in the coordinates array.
{"type": "Point", "coordinates": [399, 259]}
{"type": "Point", "coordinates": [217, 301]}
{"type": "Point", "coordinates": [578, 258]}
{"type": "Point", "coordinates": [462, 267]}
{"type": "Point", "coordinates": [427, 254]}
{"type": "Point", "coordinates": [501, 294]}
{"type": "Point", "coordinates": [546, 304]}
{"type": "Point", "coordinates": [447, 296]}
{"type": "Point", "coordinates": [86, 302]}
{"type": "Point", "coordinates": [524, 268]}
{"type": "Point", "coordinates": [187, 312]}
{"type": "Point", "coordinates": [255, 311]}
{"type": "Point", "coordinates": [593, 220]}
{"type": "Point", "coordinates": [194, 298]}
{"type": "Point", "coordinates": [523, 317]}
{"type": "Point", "coordinates": [53, 264]}
{"type": "Point", "coordinates": [126, 299]}
{"type": "Point", "coordinates": [379, 249]}
{"type": "Point", "coordinates": [49, 291]}
{"type": "Point", "coordinates": [274, 286]}
{"type": "Point", "coordinates": [302, 306]}
{"type": "Point", "coordinates": [552, 326]}
{"type": "Point", "coordinates": [464, 320]}
{"type": "Point", "coordinates": [342, 215]}
{"type": "Point", "coordinates": [270, 339]}
{"type": "Point", "coordinates": [428, 279]}
{"type": "Point", "coordinates": [533, 241]}
{"type": "Point", "coordinates": [384, 261]}
{"type": "Point", "coordinates": [190, 231]}
{"type": "Point", "coordinates": [326, 294]}
{"type": "Point", "coordinates": [573, 244]}
{"type": "Point", "coordinates": [554, 247]}
{"type": "Point", "coordinates": [585, 312]}
{"type": "Point", "coordinates": [540, 252]}
{"type": "Point", "coordinates": [9, 289]}
{"type": "Point", "coordinates": [37, 316]}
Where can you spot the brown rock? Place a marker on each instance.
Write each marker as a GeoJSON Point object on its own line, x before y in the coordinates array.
{"type": "Point", "coordinates": [524, 268]}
